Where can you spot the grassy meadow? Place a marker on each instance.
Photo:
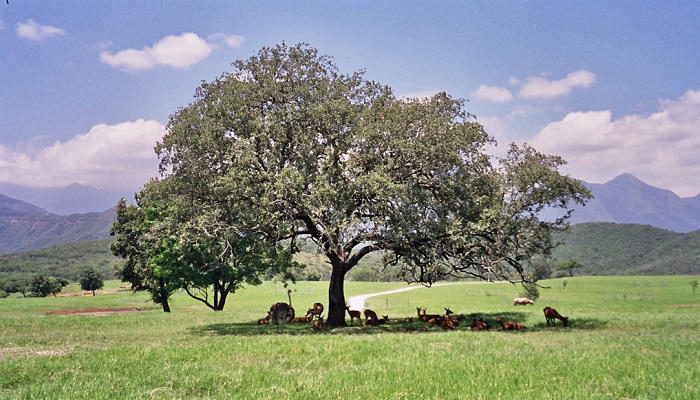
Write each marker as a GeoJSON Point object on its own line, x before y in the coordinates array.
{"type": "Point", "coordinates": [628, 338]}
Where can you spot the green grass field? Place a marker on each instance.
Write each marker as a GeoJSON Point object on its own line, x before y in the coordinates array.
{"type": "Point", "coordinates": [629, 338]}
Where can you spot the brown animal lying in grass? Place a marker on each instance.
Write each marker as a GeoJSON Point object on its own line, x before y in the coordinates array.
{"type": "Point", "coordinates": [429, 318]}
{"type": "Point", "coordinates": [478, 324]}
{"type": "Point", "coordinates": [511, 326]}
{"type": "Point", "coordinates": [265, 320]}
{"type": "Point", "coordinates": [319, 324]}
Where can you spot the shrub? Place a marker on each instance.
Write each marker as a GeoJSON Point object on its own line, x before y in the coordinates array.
{"type": "Point", "coordinates": [531, 291]}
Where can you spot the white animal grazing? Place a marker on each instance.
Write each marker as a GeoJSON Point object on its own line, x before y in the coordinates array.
{"type": "Point", "coordinates": [522, 301]}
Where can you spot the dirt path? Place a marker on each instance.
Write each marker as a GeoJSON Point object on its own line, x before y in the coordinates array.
{"type": "Point", "coordinates": [359, 302]}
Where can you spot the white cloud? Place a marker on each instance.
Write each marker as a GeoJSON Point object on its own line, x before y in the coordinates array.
{"type": "Point", "coordinates": [540, 87]}
{"type": "Point", "coordinates": [493, 93]}
{"type": "Point", "coordinates": [33, 31]}
{"type": "Point", "coordinates": [172, 51]}
{"type": "Point", "coordinates": [228, 40]}
{"type": "Point", "coordinates": [176, 52]}
{"type": "Point", "coordinates": [104, 45]}
{"type": "Point", "coordinates": [661, 149]}
{"type": "Point", "coordinates": [111, 157]}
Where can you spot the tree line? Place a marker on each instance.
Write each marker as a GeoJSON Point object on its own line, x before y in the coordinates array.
{"type": "Point", "coordinates": [42, 285]}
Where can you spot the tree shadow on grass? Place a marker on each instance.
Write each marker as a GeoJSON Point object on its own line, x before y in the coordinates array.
{"type": "Point", "coordinates": [574, 324]}
{"type": "Point", "coordinates": [399, 325]}
{"type": "Point", "coordinates": [250, 329]}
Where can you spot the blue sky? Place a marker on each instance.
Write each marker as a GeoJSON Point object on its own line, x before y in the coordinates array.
{"type": "Point", "coordinates": [86, 87]}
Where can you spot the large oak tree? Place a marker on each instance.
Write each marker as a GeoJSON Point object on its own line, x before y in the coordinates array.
{"type": "Point", "coordinates": [286, 146]}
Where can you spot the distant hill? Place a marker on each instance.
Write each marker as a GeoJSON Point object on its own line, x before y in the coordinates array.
{"type": "Point", "coordinates": [26, 227]}
{"type": "Point", "coordinates": [603, 248]}
{"type": "Point", "coordinates": [73, 199]}
{"type": "Point", "coordinates": [627, 200]}
{"type": "Point", "coordinates": [15, 208]}
{"type": "Point", "coordinates": [66, 261]}
{"type": "Point", "coordinates": [629, 249]}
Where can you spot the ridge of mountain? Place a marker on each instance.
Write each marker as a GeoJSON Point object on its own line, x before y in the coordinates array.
{"type": "Point", "coordinates": [10, 207]}
{"type": "Point", "coordinates": [623, 200]}
{"type": "Point", "coordinates": [24, 227]}
{"type": "Point", "coordinates": [607, 248]}
{"type": "Point", "coordinates": [627, 200]}
{"type": "Point", "coordinates": [72, 199]}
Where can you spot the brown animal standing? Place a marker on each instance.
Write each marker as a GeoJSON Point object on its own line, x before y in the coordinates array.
{"type": "Point", "coordinates": [511, 326]}
{"type": "Point", "coordinates": [316, 310]}
{"type": "Point", "coordinates": [551, 314]}
{"type": "Point", "coordinates": [371, 318]}
{"type": "Point", "coordinates": [354, 314]}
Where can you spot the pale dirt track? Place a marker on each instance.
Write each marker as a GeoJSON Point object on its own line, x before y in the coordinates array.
{"type": "Point", "coordinates": [359, 302]}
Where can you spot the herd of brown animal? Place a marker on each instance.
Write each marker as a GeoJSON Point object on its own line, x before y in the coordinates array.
{"type": "Point", "coordinates": [313, 314]}
{"type": "Point", "coordinates": [446, 321]}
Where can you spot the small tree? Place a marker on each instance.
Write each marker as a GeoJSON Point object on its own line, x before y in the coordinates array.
{"type": "Point", "coordinates": [541, 268]}
{"type": "Point", "coordinates": [570, 266]}
{"type": "Point", "coordinates": [531, 291]}
{"type": "Point", "coordinates": [91, 280]}
{"type": "Point", "coordinates": [41, 285]}
{"type": "Point", "coordinates": [17, 285]}
{"type": "Point", "coordinates": [129, 229]}
{"type": "Point", "coordinates": [694, 285]}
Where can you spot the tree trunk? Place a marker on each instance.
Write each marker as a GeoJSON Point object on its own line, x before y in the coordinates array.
{"type": "Point", "coordinates": [164, 299]}
{"type": "Point", "coordinates": [221, 302]}
{"type": "Point", "coordinates": [216, 296]}
{"type": "Point", "coordinates": [336, 296]}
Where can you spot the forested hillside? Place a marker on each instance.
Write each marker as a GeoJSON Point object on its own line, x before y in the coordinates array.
{"type": "Point", "coordinates": [629, 249]}
{"type": "Point", "coordinates": [25, 231]}
{"type": "Point", "coordinates": [66, 261]}
{"type": "Point", "coordinates": [603, 248]}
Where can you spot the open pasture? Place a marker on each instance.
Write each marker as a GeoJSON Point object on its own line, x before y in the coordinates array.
{"type": "Point", "coordinates": [628, 337]}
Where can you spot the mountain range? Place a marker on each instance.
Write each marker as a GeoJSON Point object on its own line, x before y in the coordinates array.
{"type": "Point", "coordinates": [627, 200]}
{"type": "Point", "coordinates": [25, 227]}
{"type": "Point", "coordinates": [73, 199]}
{"type": "Point", "coordinates": [74, 215]}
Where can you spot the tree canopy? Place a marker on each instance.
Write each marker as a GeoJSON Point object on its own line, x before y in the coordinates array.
{"type": "Point", "coordinates": [287, 147]}
{"type": "Point", "coordinates": [41, 285]}
{"type": "Point", "coordinates": [91, 280]}
{"type": "Point", "coordinates": [569, 266]}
